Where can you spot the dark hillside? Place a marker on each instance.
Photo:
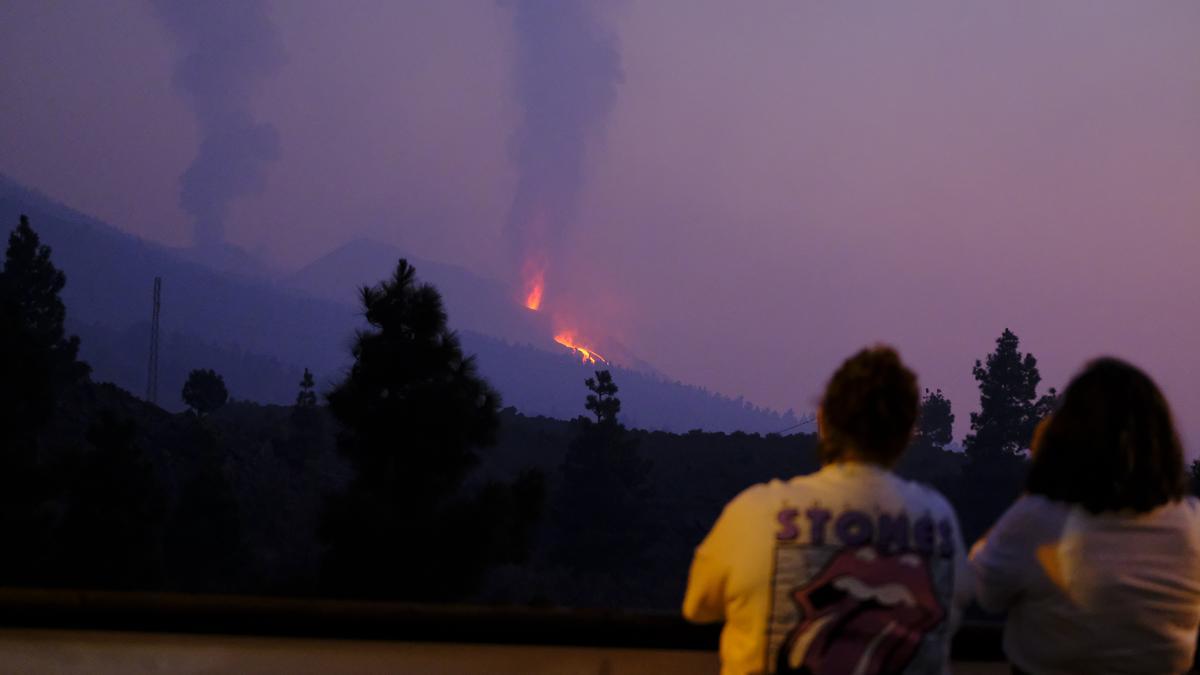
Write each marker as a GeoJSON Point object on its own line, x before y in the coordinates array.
{"type": "Point", "coordinates": [110, 276]}
{"type": "Point", "coordinates": [276, 486]}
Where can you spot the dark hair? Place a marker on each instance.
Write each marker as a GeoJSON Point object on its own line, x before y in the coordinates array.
{"type": "Point", "coordinates": [1111, 444]}
{"type": "Point", "coordinates": [870, 406]}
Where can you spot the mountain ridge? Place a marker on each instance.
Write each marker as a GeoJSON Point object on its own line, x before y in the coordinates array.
{"type": "Point", "coordinates": [261, 334]}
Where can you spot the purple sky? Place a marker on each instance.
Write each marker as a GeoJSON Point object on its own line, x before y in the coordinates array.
{"type": "Point", "coordinates": [777, 183]}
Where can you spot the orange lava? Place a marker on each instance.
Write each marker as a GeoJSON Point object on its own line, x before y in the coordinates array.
{"type": "Point", "coordinates": [534, 299]}
{"type": "Point", "coordinates": [586, 355]}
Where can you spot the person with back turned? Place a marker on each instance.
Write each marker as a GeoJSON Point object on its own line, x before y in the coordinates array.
{"type": "Point", "coordinates": [851, 569]}
{"type": "Point", "coordinates": [1098, 563]}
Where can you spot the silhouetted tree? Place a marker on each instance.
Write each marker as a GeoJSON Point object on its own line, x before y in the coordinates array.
{"type": "Point", "coordinates": [1008, 401]}
{"type": "Point", "coordinates": [306, 426]}
{"type": "Point", "coordinates": [307, 398]}
{"type": "Point", "coordinates": [306, 423]}
{"type": "Point", "coordinates": [36, 358]}
{"type": "Point", "coordinates": [38, 364]}
{"type": "Point", "coordinates": [925, 459]}
{"type": "Point", "coordinates": [1010, 409]}
{"type": "Point", "coordinates": [603, 401]}
{"type": "Point", "coordinates": [204, 391]}
{"type": "Point", "coordinates": [413, 412]}
{"type": "Point", "coordinates": [935, 424]}
{"type": "Point", "coordinates": [603, 523]}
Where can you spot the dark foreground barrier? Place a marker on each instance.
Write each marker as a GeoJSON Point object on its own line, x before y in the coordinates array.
{"type": "Point", "coordinates": [50, 627]}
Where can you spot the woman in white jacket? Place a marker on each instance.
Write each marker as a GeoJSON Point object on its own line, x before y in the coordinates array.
{"type": "Point", "coordinates": [1098, 563]}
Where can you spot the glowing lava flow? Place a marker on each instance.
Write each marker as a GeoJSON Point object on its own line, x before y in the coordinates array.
{"type": "Point", "coordinates": [535, 285]}
{"type": "Point", "coordinates": [585, 355]}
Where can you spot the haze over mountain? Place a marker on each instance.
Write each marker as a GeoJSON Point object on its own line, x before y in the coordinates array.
{"type": "Point", "coordinates": [474, 302]}
{"type": "Point", "coordinates": [477, 304]}
{"type": "Point", "coordinates": [261, 334]}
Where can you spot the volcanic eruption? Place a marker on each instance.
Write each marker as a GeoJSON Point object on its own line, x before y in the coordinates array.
{"type": "Point", "coordinates": [567, 339]}
{"type": "Point", "coordinates": [535, 284]}
{"type": "Point", "coordinates": [566, 73]}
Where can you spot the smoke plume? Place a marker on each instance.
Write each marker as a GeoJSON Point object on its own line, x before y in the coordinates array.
{"type": "Point", "coordinates": [566, 75]}
{"type": "Point", "coordinates": [227, 47]}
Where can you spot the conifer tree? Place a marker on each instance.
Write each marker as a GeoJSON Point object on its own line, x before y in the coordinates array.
{"type": "Point", "coordinates": [38, 360]}
{"type": "Point", "coordinates": [306, 428]}
{"type": "Point", "coordinates": [935, 423]}
{"type": "Point", "coordinates": [603, 401]}
{"type": "Point", "coordinates": [602, 509]}
{"type": "Point", "coordinates": [38, 364]}
{"type": "Point", "coordinates": [1010, 409]}
{"type": "Point", "coordinates": [307, 398]}
{"type": "Point", "coordinates": [926, 459]}
{"type": "Point", "coordinates": [413, 414]}
{"type": "Point", "coordinates": [1009, 405]}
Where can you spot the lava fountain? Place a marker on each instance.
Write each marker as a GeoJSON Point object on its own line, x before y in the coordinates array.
{"type": "Point", "coordinates": [534, 275]}
{"type": "Point", "coordinates": [533, 299]}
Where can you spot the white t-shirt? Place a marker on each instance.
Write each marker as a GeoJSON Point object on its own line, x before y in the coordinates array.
{"type": "Point", "coordinates": [850, 570]}
{"type": "Point", "coordinates": [1108, 593]}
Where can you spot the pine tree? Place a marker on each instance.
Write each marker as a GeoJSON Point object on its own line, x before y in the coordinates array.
{"type": "Point", "coordinates": [935, 424]}
{"type": "Point", "coordinates": [1009, 405]}
{"type": "Point", "coordinates": [38, 361]}
{"type": "Point", "coordinates": [603, 401]}
{"type": "Point", "coordinates": [413, 413]}
{"type": "Point", "coordinates": [305, 423]}
{"type": "Point", "coordinates": [412, 404]}
{"type": "Point", "coordinates": [306, 428]}
{"type": "Point", "coordinates": [38, 365]}
{"type": "Point", "coordinates": [1010, 409]}
{"type": "Point", "coordinates": [603, 504]}
{"type": "Point", "coordinates": [927, 458]}
{"type": "Point", "coordinates": [307, 398]}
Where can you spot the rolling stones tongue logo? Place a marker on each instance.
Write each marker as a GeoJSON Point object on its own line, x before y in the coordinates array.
{"type": "Point", "coordinates": [863, 614]}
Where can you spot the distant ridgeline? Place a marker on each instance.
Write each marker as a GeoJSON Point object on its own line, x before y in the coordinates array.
{"type": "Point", "coordinates": [260, 334]}
{"type": "Point", "coordinates": [549, 384]}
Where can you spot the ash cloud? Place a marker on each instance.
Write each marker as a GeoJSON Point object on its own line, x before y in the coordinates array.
{"type": "Point", "coordinates": [227, 48]}
{"type": "Point", "coordinates": [566, 74]}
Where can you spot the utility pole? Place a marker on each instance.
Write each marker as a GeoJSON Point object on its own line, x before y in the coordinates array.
{"type": "Point", "coordinates": [152, 369]}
